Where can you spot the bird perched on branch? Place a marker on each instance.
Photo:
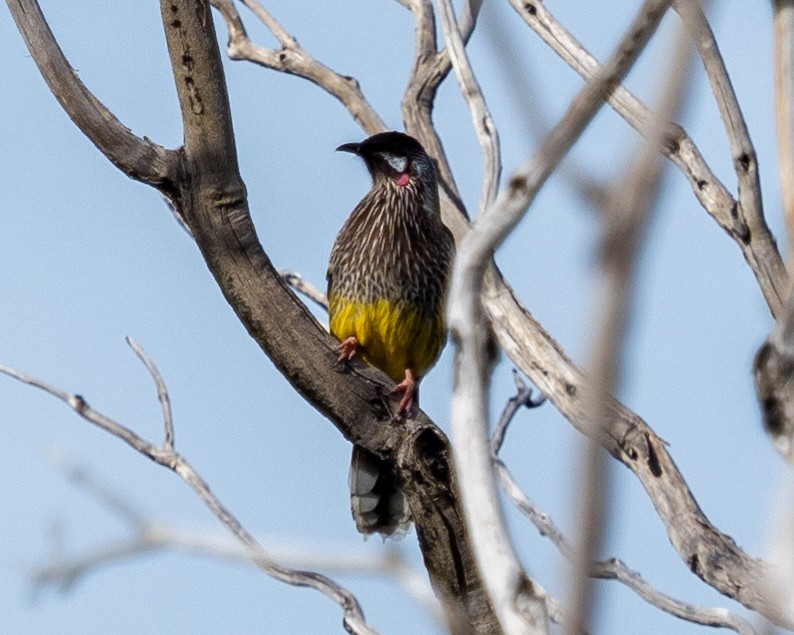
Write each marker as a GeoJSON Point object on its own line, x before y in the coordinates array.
{"type": "Point", "coordinates": [387, 284]}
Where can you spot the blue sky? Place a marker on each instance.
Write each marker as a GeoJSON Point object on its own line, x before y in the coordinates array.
{"type": "Point", "coordinates": [88, 256]}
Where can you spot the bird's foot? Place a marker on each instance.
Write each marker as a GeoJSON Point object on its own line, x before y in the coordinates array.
{"type": "Point", "coordinates": [409, 389]}
{"type": "Point", "coordinates": [347, 350]}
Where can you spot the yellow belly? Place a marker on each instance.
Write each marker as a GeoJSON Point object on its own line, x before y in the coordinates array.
{"type": "Point", "coordinates": [391, 338]}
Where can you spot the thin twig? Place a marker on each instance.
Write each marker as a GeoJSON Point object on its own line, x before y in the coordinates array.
{"type": "Point", "coordinates": [483, 124]}
{"type": "Point", "coordinates": [162, 392]}
{"type": "Point", "coordinates": [304, 287]}
{"type": "Point", "coordinates": [522, 399]}
{"type": "Point", "coordinates": [284, 38]}
{"type": "Point", "coordinates": [745, 161]}
{"type": "Point", "coordinates": [167, 457]}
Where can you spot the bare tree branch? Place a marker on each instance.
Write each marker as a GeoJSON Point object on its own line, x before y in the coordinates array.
{"type": "Point", "coordinates": [522, 399]}
{"type": "Point", "coordinates": [496, 558]}
{"type": "Point", "coordinates": [139, 158]}
{"type": "Point", "coordinates": [750, 234]}
{"type": "Point", "coordinates": [167, 457]}
{"type": "Point", "coordinates": [745, 161]}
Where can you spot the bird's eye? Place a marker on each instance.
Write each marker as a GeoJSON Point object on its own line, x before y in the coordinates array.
{"type": "Point", "coordinates": [398, 163]}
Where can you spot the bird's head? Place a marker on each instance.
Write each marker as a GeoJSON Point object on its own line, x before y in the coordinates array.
{"type": "Point", "coordinates": [396, 158]}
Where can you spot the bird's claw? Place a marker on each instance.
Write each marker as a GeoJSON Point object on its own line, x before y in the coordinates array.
{"type": "Point", "coordinates": [408, 389]}
{"type": "Point", "coordinates": [347, 351]}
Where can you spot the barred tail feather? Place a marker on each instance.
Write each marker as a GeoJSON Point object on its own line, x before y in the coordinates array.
{"type": "Point", "coordinates": [376, 501]}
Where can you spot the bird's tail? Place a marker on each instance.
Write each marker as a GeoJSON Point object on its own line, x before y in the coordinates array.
{"type": "Point", "coordinates": [376, 500]}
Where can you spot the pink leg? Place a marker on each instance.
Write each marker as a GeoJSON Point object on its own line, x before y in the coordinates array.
{"type": "Point", "coordinates": [409, 388]}
{"type": "Point", "coordinates": [347, 349]}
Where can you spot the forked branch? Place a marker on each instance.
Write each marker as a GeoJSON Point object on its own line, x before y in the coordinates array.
{"type": "Point", "coordinates": [745, 224]}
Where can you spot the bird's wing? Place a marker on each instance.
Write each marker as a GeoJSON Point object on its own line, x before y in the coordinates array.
{"type": "Point", "coordinates": [329, 279]}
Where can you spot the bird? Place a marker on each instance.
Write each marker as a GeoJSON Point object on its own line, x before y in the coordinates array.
{"type": "Point", "coordinates": [388, 276]}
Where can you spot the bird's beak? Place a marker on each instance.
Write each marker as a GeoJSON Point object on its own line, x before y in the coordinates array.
{"type": "Point", "coordinates": [355, 148]}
